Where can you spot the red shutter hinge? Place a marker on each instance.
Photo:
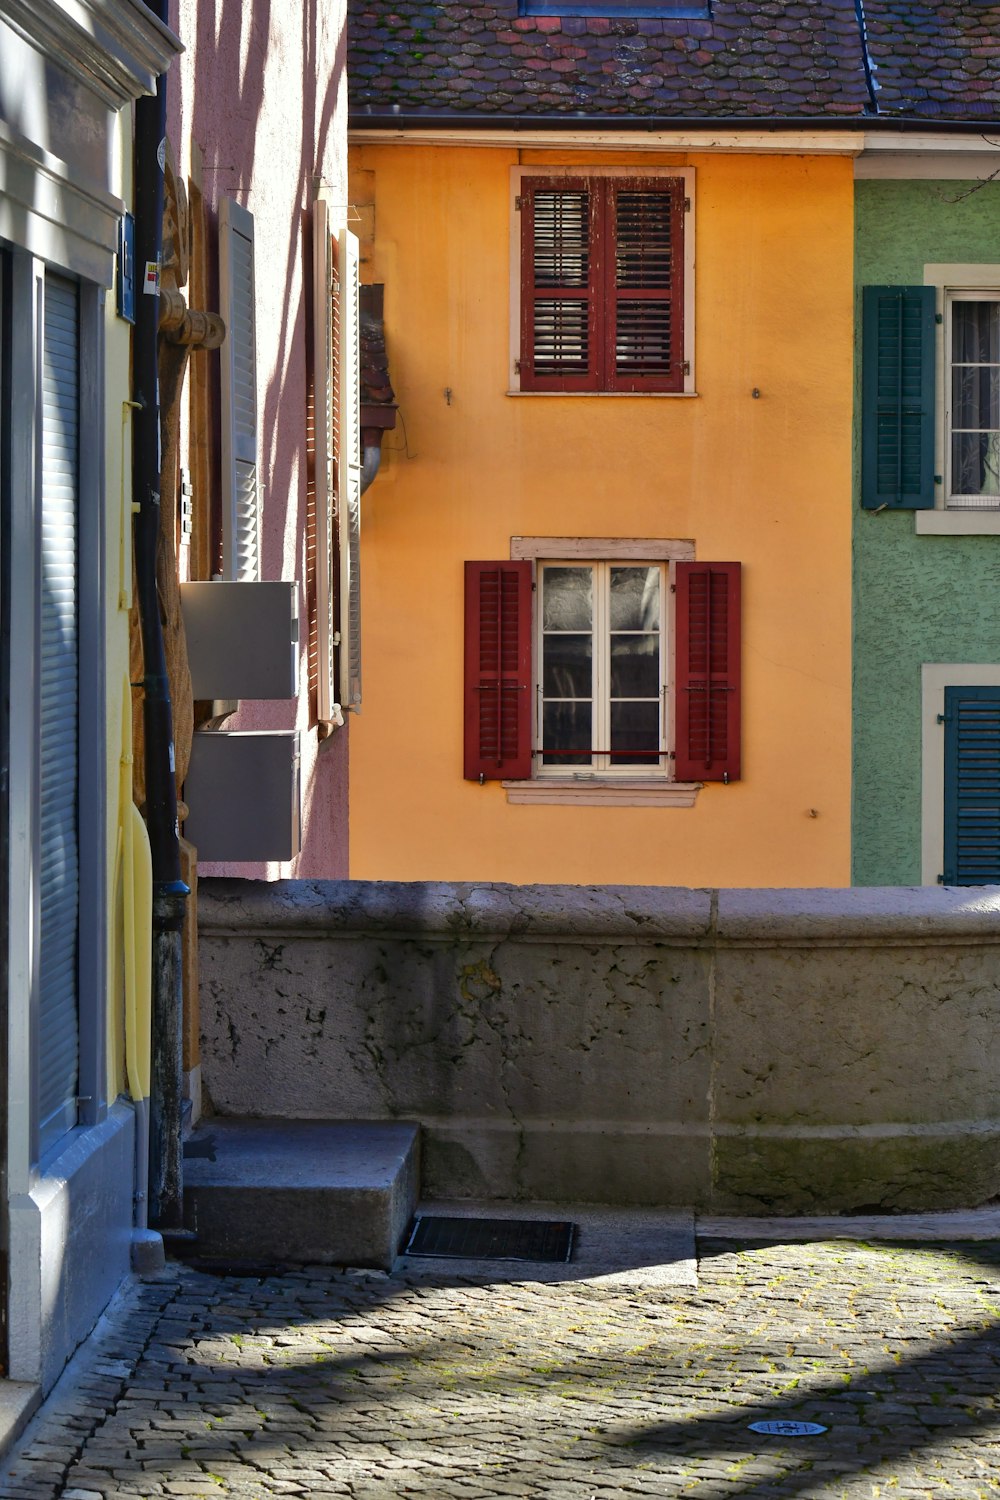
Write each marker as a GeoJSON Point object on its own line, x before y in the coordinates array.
{"type": "Point", "coordinates": [519, 204]}
{"type": "Point", "coordinates": [686, 366]}
{"type": "Point", "coordinates": [517, 367]}
{"type": "Point", "coordinates": [687, 205]}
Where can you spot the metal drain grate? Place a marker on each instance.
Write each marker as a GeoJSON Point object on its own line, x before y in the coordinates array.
{"type": "Point", "coordinates": [491, 1239]}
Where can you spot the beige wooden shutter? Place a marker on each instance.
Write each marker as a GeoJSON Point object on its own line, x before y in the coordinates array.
{"type": "Point", "coordinates": [326, 297]}
{"type": "Point", "coordinates": [240, 481]}
{"type": "Point", "coordinates": [349, 473]}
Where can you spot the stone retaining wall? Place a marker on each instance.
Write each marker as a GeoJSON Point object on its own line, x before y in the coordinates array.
{"type": "Point", "coordinates": [738, 1050]}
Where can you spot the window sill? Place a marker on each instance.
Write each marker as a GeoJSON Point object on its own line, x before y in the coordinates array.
{"type": "Point", "coordinates": [608, 395]}
{"type": "Point", "coordinates": [957, 522]}
{"type": "Point", "coordinates": [583, 792]}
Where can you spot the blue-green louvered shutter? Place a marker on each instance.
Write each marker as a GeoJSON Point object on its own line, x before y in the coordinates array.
{"type": "Point", "coordinates": [972, 786]}
{"type": "Point", "coordinates": [58, 1020]}
{"type": "Point", "coordinates": [897, 403]}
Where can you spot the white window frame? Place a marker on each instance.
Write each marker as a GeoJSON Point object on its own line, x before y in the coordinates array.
{"type": "Point", "coordinates": [600, 633]}
{"type": "Point", "coordinates": [517, 176]}
{"type": "Point", "coordinates": [935, 677]}
{"type": "Point", "coordinates": [953, 282]}
{"type": "Point", "coordinates": [596, 785]}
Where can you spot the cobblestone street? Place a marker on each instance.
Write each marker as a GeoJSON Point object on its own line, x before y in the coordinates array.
{"type": "Point", "coordinates": [323, 1383]}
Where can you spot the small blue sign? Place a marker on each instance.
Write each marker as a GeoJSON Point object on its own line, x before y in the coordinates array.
{"type": "Point", "coordinates": [126, 268]}
{"type": "Point", "coordinates": [788, 1429]}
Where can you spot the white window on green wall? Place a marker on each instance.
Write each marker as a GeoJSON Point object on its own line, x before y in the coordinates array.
{"type": "Point", "coordinates": [966, 378]}
{"type": "Point", "coordinates": [972, 396]}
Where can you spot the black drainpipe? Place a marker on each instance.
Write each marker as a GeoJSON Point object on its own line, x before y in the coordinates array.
{"type": "Point", "coordinates": [169, 890]}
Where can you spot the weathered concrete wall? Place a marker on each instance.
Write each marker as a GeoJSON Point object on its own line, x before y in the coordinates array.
{"type": "Point", "coordinates": [817, 1050]}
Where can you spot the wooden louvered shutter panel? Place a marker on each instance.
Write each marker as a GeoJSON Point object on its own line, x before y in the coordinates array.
{"type": "Point", "coordinates": [59, 754]}
{"type": "Point", "coordinates": [560, 333]}
{"type": "Point", "coordinates": [897, 403]}
{"type": "Point", "coordinates": [707, 671]}
{"type": "Point", "coordinates": [497, 671]}
{"type": "Point", "coordinates": [326, 295]}
{"type": "Point", "coordinates": [240, 481]}
{"type": "Point", "coordinates": [349, 472]}
{"type": "Point", "coordinates": [644, 292]}
{"type": "Point", "coordinates": [972, 786]}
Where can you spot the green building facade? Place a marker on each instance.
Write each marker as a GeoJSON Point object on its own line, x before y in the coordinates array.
{"type": "Point", "coordinates": [926, 571]}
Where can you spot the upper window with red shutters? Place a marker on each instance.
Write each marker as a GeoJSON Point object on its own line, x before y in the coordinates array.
{"type": "Point", "coordinates": [603, 282]}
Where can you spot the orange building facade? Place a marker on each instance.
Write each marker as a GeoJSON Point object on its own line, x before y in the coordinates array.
{"type": "Point", "coordinates": [606, 504]}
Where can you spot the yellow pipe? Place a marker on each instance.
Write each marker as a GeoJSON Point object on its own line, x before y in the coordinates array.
{"type": "Point", "coordinates": [137, 919]}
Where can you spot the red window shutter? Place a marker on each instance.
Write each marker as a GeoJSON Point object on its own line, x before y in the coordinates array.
{"type": "Point", "coordinates": [560, 274]}
{"type": "Point", "coordinates": [708, 671]}
{"type": "Point", "coordinates": [497, 671]}
{"type": "Point", "coordinates": [644, 284]}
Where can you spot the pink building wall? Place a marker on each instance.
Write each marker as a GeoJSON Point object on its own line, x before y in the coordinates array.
{"type": "Point", "coordinates": [261, 88]}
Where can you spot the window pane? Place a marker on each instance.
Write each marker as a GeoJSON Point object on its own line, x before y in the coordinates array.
{"type": "Point", "coordinates": [975, 463]}
{"type": "Point", "coordinates": [975, 396]}
{"type": "Point", "coordinates": [976, 332]}
{"type": "Point", "coordinates": [567, 670]}
{"type": "Point", "coordinates": [566, 729]}
{"type": "Point", "coordinates": [635, 598]}
{"type": "Point", "coordinates": [568, 599]}
{"type": "Point", "coordinates": [635, 666]}
{"type": "Point", "coordinates": [635, 734]}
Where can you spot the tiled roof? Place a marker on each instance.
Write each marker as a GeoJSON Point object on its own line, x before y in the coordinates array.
{"type": "Point", "coordinates": [936, 59]}
{"type": "Point", "coordinates": [755, 59]}
{"type": "Point", "coordinates": [751, 59]}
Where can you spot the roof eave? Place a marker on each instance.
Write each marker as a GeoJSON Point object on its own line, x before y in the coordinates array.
{"type": "Point", "coordinates": [416, 119]}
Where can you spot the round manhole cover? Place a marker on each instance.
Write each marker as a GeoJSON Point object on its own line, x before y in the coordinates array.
{"type": "Point", "coordinates": [787, 1429]}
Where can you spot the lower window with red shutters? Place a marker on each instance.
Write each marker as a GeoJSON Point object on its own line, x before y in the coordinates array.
{"type": "Point", "coordinates": [610, 670]}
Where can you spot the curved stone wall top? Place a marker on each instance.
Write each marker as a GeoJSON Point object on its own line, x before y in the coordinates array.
{"type": "Point", "coordinates": [647, 913]}
{"type": "Point", "coordinates": [866, 915]}
{"type": "Point", "coordinates": [876, 915]}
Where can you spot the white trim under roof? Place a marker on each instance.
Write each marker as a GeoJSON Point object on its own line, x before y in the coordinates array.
{"type": "Point", "coordinates": [755, 142]}
{"type": "Point", "coordinates": [959, 156]}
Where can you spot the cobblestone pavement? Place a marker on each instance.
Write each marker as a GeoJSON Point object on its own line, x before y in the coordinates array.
{"type": "Point", "coordinates": [326, 1383]}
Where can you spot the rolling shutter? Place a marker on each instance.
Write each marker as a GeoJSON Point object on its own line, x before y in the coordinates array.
{"type": "Point", "coordinates": [497, 671]}
{"type": "Point", "coordinates": [59, 692]}
{"type": "Point", "coordinates": [708, 671]}
{"type": "Point", "coordinates": [897, 403]}
{"type": "Point", "coordinates": [240, 482]}
{"type": "Point", "coordinates": [349, 473]}
{"type": "Point", "coordinates": [972, 786]}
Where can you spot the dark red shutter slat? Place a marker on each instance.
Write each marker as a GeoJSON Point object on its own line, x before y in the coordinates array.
{"type": "Point", "coordinates": [497, 671]}
{"type": "Point", "coordinates": [708, 671]}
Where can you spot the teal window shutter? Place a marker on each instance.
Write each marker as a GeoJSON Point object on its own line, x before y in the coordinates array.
{"type": "Point", "coordinates": [897, 398]}
{"type": "Point", "coordinates": [972, 786]}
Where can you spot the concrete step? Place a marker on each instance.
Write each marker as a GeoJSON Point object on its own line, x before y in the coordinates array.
{"type": "Point", "coordinates": [270, 1192]}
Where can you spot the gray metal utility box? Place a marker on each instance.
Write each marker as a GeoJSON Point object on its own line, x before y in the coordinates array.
{"type": "Point", "coordinates": [242, 792]}
{"type": "Point", "coordinates": [242, 639]}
